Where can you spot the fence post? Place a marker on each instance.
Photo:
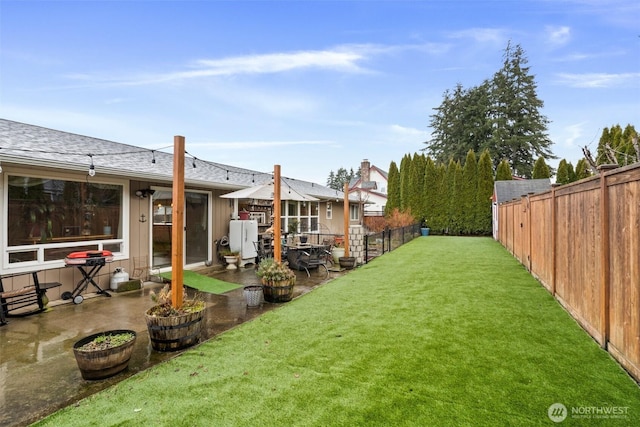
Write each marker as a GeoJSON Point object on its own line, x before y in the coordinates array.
{"type": "Point", "coordinates": [366, 249]}
{"type": "Point", "coordinates": [604, 255]}
{"type": "Point", "coordinates": [554, 232]}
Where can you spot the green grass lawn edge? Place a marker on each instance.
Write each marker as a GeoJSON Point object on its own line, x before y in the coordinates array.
{"type": "Point", "coordinates": [441, 331]}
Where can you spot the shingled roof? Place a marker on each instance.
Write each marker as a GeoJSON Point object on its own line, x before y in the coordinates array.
{"type": "Point", "coordinates": [514, 189]}
{"type": "Point", "coordinates": [26, 144]}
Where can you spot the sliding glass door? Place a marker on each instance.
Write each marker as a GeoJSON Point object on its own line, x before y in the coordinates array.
{"type": "Point", "coordinates": [196, 237]}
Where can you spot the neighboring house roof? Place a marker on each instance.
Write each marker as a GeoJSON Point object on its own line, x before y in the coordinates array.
{"type": "Point", "coordinates": [503, 191]}
{"type": "Point", "coordinates": [26, 144]}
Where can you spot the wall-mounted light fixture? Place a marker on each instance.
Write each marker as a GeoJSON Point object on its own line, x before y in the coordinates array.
{"type": "Point", "coordinates": [144, 193]}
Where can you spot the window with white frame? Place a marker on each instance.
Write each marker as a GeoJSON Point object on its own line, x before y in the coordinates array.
{"type": "Point", "coordinates": [49, 218]}
{"type": "Point", "coordinates": [329, 211]}
{"type": "Point", "coordinates": [300, 217]}
{"type": "Point", "coordinates": [354, 212]}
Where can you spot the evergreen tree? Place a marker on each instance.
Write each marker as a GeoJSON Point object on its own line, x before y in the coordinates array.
{"type": "Point", "coordinates": [456, 216]}
{"type": "Point", "coordinates": [571, 172]}
{"type": "Point", "coordinates": [416, 185]}
{"type": "Point", "coordinates": [337, 180]}
{"type": "Point", "coordinates": [461, 123]}
{"type": "Point", "coordinates": [503, 171]}
{"type": "Point", "coordinates": [540, 169]}
{"type": "Point", "coordinates": [520, 130]}
{"type": "Point", "coordinates": [431, 192]}
{"type": "Point", "coordinates": [441, 210]}
{"type": "Point", "coordinates": [562, 176]}
{"type": "Point", "coordinates": [483, 196]}
{"type": "Point", "coordinates": [405, 182]}
{"type": "Point", "coordinates": [393, 189]}
{"type": "Point", "coordinates": [616, 146]}
{"type": "Point", "coordinates": [582, 169]}
{"type": "Point", "coordinates": [450, 200]}
{"type": "Point", "coordinates": [469, 190]}
{"type": "Point", "coordinates": [502, 115]}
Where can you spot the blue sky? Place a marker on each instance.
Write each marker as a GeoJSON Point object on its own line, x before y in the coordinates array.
{"type": "Point", "coordinates": [310, 85]}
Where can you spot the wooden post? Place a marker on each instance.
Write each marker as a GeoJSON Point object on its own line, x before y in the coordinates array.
{"type": "Point", "coordinates": [554, 240]}
{"type": "Point", "coordinates": [604, 255]}
{"type": "Point", "coordinates": [277, 243]}
{"type": "Point", "coordinates": [177, 228]}
{"type": "Point", "coordinates": [346, 219]}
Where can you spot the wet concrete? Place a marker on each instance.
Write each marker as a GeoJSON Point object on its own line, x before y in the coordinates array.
{"type": "Point", "coordinates": [38, 372]}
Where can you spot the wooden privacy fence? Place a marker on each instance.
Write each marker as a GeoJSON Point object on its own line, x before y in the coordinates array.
{"type": "Point", "coordinates": [582, 242]}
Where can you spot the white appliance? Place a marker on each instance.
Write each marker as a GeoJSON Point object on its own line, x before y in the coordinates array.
{"type": "Point", "coordinates": [242, 235]}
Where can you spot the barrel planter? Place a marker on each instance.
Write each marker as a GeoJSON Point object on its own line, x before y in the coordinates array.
{"type": "Point", "coordinates": [347, 262]}
{"type": "Point", "coordinates": [173, 333]}
{"type": "Point", "coordinates": [277, 292]}
{"type": "Point", "coordinates": [103, 361]}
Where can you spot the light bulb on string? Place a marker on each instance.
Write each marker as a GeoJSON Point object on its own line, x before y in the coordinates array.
{"type": "Point", "coordinates": [92, 169]}
{"type": "Point", "coordinates": [153, 156]}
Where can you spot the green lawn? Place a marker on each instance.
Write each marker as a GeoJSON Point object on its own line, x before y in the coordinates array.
{"type": "Point", "coordinates": [442, 331]}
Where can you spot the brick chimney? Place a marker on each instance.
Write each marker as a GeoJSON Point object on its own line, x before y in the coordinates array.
{"type": "Point", "coordinates": [365, 169]}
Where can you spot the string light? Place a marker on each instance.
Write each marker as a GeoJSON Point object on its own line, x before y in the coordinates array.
{"type": "Point", "coordinates": [253, 179]}
{"type": "Point", "coordinates": [0, 167]}
{"type": "Point", "coordinates": [92, 169]}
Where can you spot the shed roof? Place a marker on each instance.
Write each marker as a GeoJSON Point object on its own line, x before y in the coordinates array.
{"type": "Point", "coordinates": [503, 191]}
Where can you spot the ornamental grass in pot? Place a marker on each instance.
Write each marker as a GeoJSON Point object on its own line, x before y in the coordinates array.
{"type": "Point", "coordinates": [171, 328]}
{"type": "Point", "coordinates": [278, 280]}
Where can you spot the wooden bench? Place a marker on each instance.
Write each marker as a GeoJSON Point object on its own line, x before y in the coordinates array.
{"type": "Point", "coordinates": [32, 295]}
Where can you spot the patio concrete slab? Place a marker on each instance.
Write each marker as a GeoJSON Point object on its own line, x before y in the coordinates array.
{"type": "Point", "coordinates": [38, 372]}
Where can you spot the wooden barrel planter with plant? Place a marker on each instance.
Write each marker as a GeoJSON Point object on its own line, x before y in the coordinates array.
{"type": "Point", "coordinates": [347, 262]}
{"type": "Point", "coordinates": [104, 354]}
{"type": "Point", "coordinates": [171, 328]}
{"type": "Point", "coordinates": [173, 333]}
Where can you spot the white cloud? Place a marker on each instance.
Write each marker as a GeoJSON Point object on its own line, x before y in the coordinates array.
{"type": "Point", "coordinates": [405, 131]}
{"type": "Point", "coordinates": [558, 35]}
{"type": "Point", "coordinates": [597, 80]}
{"type": "Point", "coordinates": [344, 59]}
{"type": "Point", "coordinates": [243, 145]}
{"type": "Point", "coordinates": [480, 34]}
{"type": "Point", "coordinates": [574, 133]}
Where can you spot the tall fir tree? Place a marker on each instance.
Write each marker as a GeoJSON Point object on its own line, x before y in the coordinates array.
{"type": "Point", "coordinates": [520, 129]}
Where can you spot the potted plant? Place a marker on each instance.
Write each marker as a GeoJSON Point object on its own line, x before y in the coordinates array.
{"type": "Point", "coordinates": [337, 251]}
{"type": "Point", "coordinates": [172, 328]}
{"type": "Point", "coordinates": [277, 279]}
{"type": "Point", "coordinates": [230, 257]}
{"type": "Point", "coordinates": [347, 262]}
{"type": "Point", "coordinates": [104, 354]}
